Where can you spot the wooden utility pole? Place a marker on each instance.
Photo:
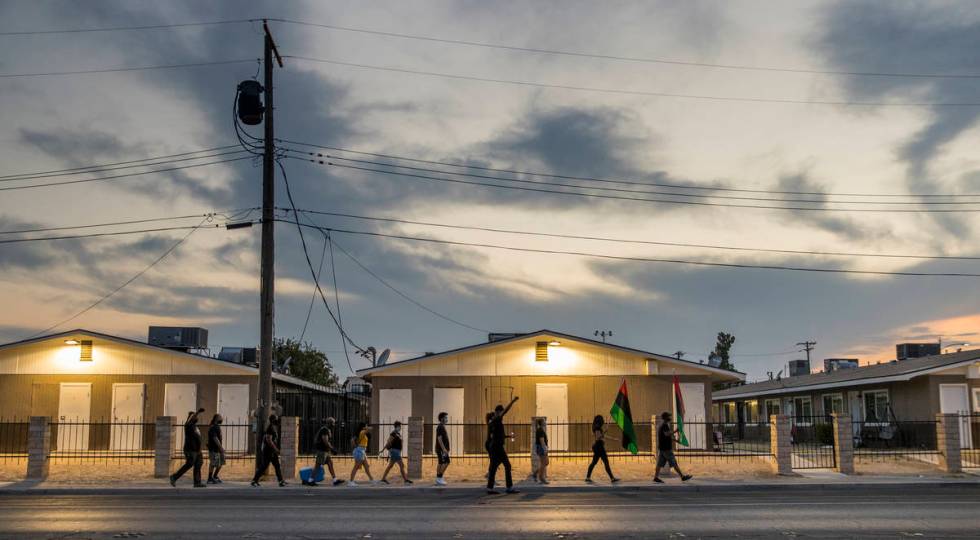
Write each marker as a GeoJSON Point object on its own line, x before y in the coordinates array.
{"type": "Point", "coordinates": [267, 288]}
{"type": "Point", "coordinates": [807, 346]}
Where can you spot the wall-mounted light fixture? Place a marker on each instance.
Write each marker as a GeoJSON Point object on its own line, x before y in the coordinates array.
{"type": "Point", "coordinates": [554, 343]}
{"type": "Point", "coordinates": [85, 349]}
{"type": "Point", "coordinates": [72, 342]}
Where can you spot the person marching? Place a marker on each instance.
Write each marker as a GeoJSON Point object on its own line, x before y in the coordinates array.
{"type": "Point", "coordinates": [192, 451]}
{"type": "Point", "coordinates": [270, 452]}
{"type": "Point", "coordinates": [361, 441]}
{"type": "Point", "coordinates": [599, 449]}
{"type": "Point", "coordinates": [666, 436]}
{"type": "Point", "coordinates": [394, 448]}
{"type": "Point", "coordinates": [498, 454]}
{"type": "Point", "coordinates": [442, 449]}
{"type": "Point", "coordinates": [541, 450]}
{"type": "Point", "coordinates": [324, 448]}
{"type": "Point", "coordinates": [216, 449]}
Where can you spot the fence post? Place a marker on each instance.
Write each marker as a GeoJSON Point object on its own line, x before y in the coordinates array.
{"type": "Point", "coordinates": [535, 459]}
{"type": "Point", "coordinates": [163, 445]}
{"type": "Point", "coordinates": [654, 424]}
{"type": "Point", "coordinates": [416, 444]}
{"type": "Point", "coordinates": [781, 447]}
{"type": "Point", "coordinates": [289, 449]}
{"type": "Point", "coordinates": [38, 447]}
{"type": "Point", "coordinates": [948, 442]}
{"type": "Point", "coordinates": [843, 443]}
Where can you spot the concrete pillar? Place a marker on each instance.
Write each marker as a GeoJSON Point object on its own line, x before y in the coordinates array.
{"type": "Point", "coordinates": [163, 445]}
{"type": "Point", "coordinates": [535, 460]}
{"type": "Point", "coordinates": [289, 446]}
{"type": "Point", "coordinates": [782, 449]}
{"type": "Point", "coordinates": [416, 441]}
{"type": "Point", "coordinates": [843, 443]}
{"type": "Point", "coordinates": [38, 447]}
{"type": "Point", "coordinates": [948, 442]}
{"type": "Point", "coordinates": [655, 425]}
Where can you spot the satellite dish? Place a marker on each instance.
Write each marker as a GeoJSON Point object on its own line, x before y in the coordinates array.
{"type": "Point", "coordinates": [383, 358]}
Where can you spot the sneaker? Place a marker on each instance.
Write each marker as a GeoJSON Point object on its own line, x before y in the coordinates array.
{"type": "Point", "coordinates": [217, 480]}
{"type": "Point", "coordinates": [440, 481]}
{"type": "Point", "coordinates": [545, 482]}
{"type": "Point", "coordinates": [614, 480]}
{"type": "Point", "coordinates": [200, 485]}
{"type": "Point", "coordinates": [173, 481]}
{"type": "Point", "coordinates": [337, 481]}
{"type": "Point", "coordinates": [383, 481]}
{"type": "Point", "coordinates": [589, 481]}
{"type": "Point", "coordinates": [658, 480]}
{"type": "Point", "coordinates": [493, 492]}
{"type": "Point", "coordinates": [212, 481]}
{"type": "Point", "coordinates": [255, 484]}
{"type": "Point", "coordinates": [351, 483]}
{"type": "Point", "coordinates": [310, 484]}
{"type": "Point", "coordinates": [513, 491]}
{"type": "Point", "coordinates": [409, 482]}
{"type": "Point", "coordinates": [686, 477]}
{"type": "Point", "coordinates": [282, 483]}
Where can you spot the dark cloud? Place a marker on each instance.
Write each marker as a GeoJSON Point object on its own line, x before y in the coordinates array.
{"type": "Point", "coordinates": [833, 222]}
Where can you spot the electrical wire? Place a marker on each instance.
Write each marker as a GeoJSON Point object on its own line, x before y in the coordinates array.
{"type": "Point", "coordinates": [116, 223]}
{"type": "Point", "coordinates": [646, 259]}
{"type": "Point", "coordinates": [124, 28]}
{"type": "Point", "coordinates": [105, 166]}
{"type": "Point", "coordinates": [124, 69]}
{"type": "Point", "coordinates": [124, 284]}
{"type": "Point", "coordinates": [336, 292]}
{"type": "Point", "coordinates": [123, 167]}
{"type": "Point", "coordinates": [104, 234]}
{"type": "Point", "coordinates": [309, 311]}
{"type": "Point", "coordinates": [740, 67]}
{"type": "Point", "coordinates": [615, 181]}
{"type": "Point", "coordinates": [639, 242]}
{"type": "Point", "coordinates": [645, 93]}
{"type": "Point", "coordinates": [129, 175]}
{"type": "Point", "coordinates": [647, 200]}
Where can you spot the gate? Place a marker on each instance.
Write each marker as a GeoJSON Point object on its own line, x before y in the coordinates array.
{"type": "Point", "coordinates": [812, 442]}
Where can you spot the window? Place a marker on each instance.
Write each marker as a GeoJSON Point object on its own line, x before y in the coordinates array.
{"type": "Point", "coordinates": [976, 400]}
{"type": "Point", "coordinates": [876, 406]}
{"type": "Point", "coordinates": [729, 410]}
{"type": "Point", "coordinates": [802, 410]}
{"type": "Point", "coordinates": [752, 411]}
{"type": "Point", "coordinates": [833, 403]}
{"type": "Point", "coordinates": [772, 408]}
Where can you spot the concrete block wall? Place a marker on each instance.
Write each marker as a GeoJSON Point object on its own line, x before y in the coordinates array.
{"type": "Point", "coordinates": [843, 443]}
{"type": "Point", "coordinates": [948, 442]}
{"type": "Point", "coordinates": [289, 446]}
{"type": "Point", "coordinates": [38, 447]}
{"type": "Point", "coordinates": [416, 440]}
{"type": "Point", "coordinates": [163, 445]}
{"type": "Point", "coordinates": [780, 444]}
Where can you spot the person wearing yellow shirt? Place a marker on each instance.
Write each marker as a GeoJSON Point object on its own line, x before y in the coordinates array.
{"type": "Point", "coordinates": [361, 442]}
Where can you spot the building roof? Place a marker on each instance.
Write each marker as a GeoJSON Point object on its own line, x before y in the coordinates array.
{"type": "Point", "coordinates": [737, 375]}
{"type": "Point", "coordinates": [888, 372]}
{"type": "Point", "coordinates": [199, 357]}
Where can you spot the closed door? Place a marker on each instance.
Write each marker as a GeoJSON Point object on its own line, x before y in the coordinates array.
{"type": "Point", "coordinates": [449, 401]}
{"type": "Point", "coordinates": [552, 403]}
{"type": "Point", "coordinates": [127, 416]}
{"type": "Point", "coordinates": [954, 399]}
{"type": "Point", "coordinates": [233, 406]}
{"type": "Point", "coordinates": [854, 406]}
{"type": "Point", "coordinates": [74, 414]}
{"type": "Point", "coordinates": [179, 399]}
{"type": "Point", "coordinates": [393, 404]}
{"type": "Point", "coordinates": [694, 418]}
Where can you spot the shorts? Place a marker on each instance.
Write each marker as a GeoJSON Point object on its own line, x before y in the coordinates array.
{"type": "Point", "coordinates": [360, 454]}
{"type": "Point", "coordinates": [665, 457]}
{"type": "Point", "coordinates": [394, 456]}
{"type": "Point", "coordinates": [322, 457]}
{"type": "Point", "coordinates": [217, 459]}
{"type": "Point", "coordinates": [443, 458]}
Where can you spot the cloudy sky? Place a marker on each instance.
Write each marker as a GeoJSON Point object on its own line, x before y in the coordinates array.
{"type": "Point", "coordinates": [787, 131]}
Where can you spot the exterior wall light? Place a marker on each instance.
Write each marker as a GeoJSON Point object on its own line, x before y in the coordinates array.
{"type": "Point", "coordinates": [555, 343]}
{"type": "Point", "coordinates": [72, 342]}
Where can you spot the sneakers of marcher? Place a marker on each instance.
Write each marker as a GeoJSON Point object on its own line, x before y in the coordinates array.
{"type": "Point", "coordinates": [173, 481]}
{"type": "Point", "coordinates": [282, 483]}
{"type": "Point", "coordinates": [545, 482]}
{"type": "Point", "coordinates": [212, 481]}
{"type": "Point", "coordinates": [589, 481]}
{"type": "Point", "coordinates": [217, 480]}
{"type": "Point", "coordinates": [409, 482]}
{"type": "Point", "coordinates": [199, 485]}
{"type": "Point", "coordinates": [440, 481]}
{"type": "Point", "coordinates": [493, 492]}
{"type": "Point", "coordinates": [686, 477]}
{"type": "Point", "coordinates": [513, 490]}
{"type": "Point", "coordinates": [255, 484]}
{"type": "Point", "coordinates": [384, 481]}
{"type": "Point", "coordinates": [351, 483]}
{"type": "Point", "coordinates": [337, 481]}
{"type": "Point", "coordinates": [614, 480]}
{"type": "Point", "coordinates": [310, 484]}
{"type": "Point", "coordinates": [658, 480]}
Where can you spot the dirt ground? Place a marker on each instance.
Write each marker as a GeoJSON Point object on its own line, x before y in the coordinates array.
{"type": "Point", "coordinates": [898, 466]}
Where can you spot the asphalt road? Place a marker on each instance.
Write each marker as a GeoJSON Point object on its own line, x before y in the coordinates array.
{"type": "Point", "coordinates": [858, 512]}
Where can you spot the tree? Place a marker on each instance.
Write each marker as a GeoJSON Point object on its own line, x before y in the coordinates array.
{"type": "Point", "coordinates": [304, 362]}
{"type": "Point", "coordinates": [723, 347]}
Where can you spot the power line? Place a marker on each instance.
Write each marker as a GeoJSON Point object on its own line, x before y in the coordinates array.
{"type": "Point", "coordinates": [104, 234]}
{"type": "Point", "coordinates": [647, 200]}
{"type": "Point", "coordinates": [642, 242]}
{"type": "Point", "coordinates": [124, 69]}
{"type": "Point", "coordinates": [127, 282]}
{"type": "Point", "coordinates": [124, 28]}
{"type": "Point", "coordinates": [118, 167]}
{"type": "Point", "coordinates": [633, 92]}
{"type": "Point", "coordinates": [616, 181]}
{"type": "Point", "coordinates": [739, 67]}
{"type": "Point", "coordinates": [116, 223]}
{"type": "Point", "coordinates": [336, 291]}
{"type": "Point", "coordinates": [129, 175]}
{"type": "Point", "coordinates": [309, 311]}
{"type": "Point", "coordinates": [647, 259]}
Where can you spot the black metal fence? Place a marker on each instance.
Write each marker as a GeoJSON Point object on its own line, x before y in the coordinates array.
{"type": "Point", "coordinates": [13, 438]}
{"type": "Point", "coordinates": [102, 441]}
{"type": "Point", "coordinates": [812, 439]}
{"type": "Point", "coordinates": [893, 440]}
{"type": "Point", "coordinates": [970, 447]}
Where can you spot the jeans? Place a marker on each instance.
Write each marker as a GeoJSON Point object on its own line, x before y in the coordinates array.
{"type": "Point", "coordinates": [498, 457]}
{"type": "Point", "coordinates": [191, 459]}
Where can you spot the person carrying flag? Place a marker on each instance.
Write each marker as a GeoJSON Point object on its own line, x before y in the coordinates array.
{"type": "Point", "coordinates": [665, 448]}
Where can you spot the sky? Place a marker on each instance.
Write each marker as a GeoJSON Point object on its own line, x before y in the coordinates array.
{"type": "Point", "coordinates": [786, 130]}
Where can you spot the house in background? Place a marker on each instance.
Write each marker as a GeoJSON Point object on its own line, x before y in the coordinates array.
{"type": "Point", "coordinates": [562, 377]}
{"type": "Point", "coordinates": [104, 389]}
{"type": "Point", "coordinates": [901, 390]}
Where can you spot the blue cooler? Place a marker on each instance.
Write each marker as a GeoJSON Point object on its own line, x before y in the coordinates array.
{"type": "Point", "coordinates": [306, 474]}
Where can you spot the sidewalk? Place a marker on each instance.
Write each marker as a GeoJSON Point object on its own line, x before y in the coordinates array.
{"type": "Point", "coordinates": [810, 480]}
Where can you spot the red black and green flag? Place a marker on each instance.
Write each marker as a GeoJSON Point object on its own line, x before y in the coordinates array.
{"type": "Point", "coordinates": [624, 418]}
{"type": "Point", "coordinates": [679, 407]}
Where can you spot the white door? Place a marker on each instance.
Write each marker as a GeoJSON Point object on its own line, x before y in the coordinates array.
{"type": "Point", "coordinates": [74, 413]}
{"type": "Point", "coordinates": [695, 427]}
{"type": "Point", "coordinates": [552, 403]}
{"type": "Point", "coordinates": [855, 406]}
{"type": "Point", "coordinates": [954, 399]}
{"type": "Point", "coordinates": [393, 404]}
{"type": "Point", "coordinates": [179, 399]}
{"type": "Point", "coordinates": [233, 406]}
{"type": "Point", "coordinates": [449, 401]}
{"type": "Point", "coordinates": [127, 416]}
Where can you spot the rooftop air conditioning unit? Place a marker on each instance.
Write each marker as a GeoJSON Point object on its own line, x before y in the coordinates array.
{"type": "Point", "coordinates": [176, 337]}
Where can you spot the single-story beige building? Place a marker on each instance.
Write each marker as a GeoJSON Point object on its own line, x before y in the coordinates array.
{"type": "Point", "coordinates": [565, 378]}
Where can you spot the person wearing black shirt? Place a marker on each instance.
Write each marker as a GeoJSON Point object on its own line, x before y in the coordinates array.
{"type": "Point", "coordinates": [192, 451]}
{"type": "Point", "coordinates": [498, 455]}
{"type": "Point", "coordinates": [665, 449]}
{"type": "Point", "coordinates": [394, 448]}
{"type": "Point", "coordinates": [270, 452]}
{"type": "Point", "coordinates": [541, 450]}
{"type": "Point", "coordinates": [323, 446]}
{"type": "Point", "coordinates": [216, 450]}
{"type": "Point", "coordinates": [442, 449]}
{"type": "Point", "coordinates": [599, 449]}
